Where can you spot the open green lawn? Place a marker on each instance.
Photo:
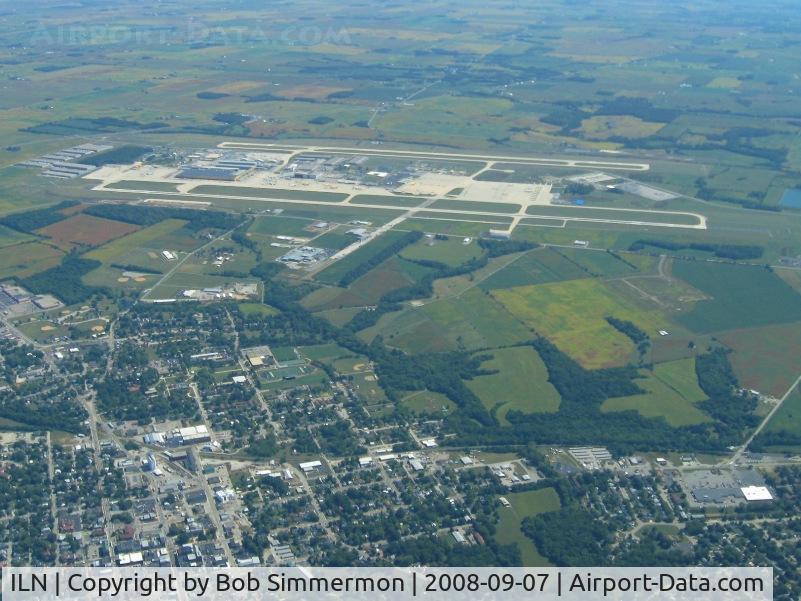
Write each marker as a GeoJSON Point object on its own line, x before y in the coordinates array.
{"type": "Point", "coordinates": [521, 383]}
{"type": "Point", "coordinates": [322, 352]}
{"type": "Point", "coordinates": [270, 193]}
{"type": "Point", "coordinates": [257, 309]}
{"type": "Point", "coordinates": [144, 185]}
{"type": "Point", "coordinates": [452, 251]}
{"type": "Point", "coordinates": [525, 504]}
{"type": "Point", "coordinates": [672, 393]}
{"type": "Point", "coordinates": [786, 420]}
{"type": "Point", "coordinates": [386, 201]}
{"type": "Point", "coordinates": [475, 205]}
{"type": "Point", "coordinates": [281, 226]}
{"type": "Point", "coordinates": [425, 402]}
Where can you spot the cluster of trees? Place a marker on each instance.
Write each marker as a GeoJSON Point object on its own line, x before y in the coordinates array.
{"type": "Point", "coordinates": [726, 402]}
{"type": "Point", "coordinates": [123, 154]}
{"type": "Point", "coordinates": [635, 334]}
{"type": "Point", "coordinates": [149, 215]}
{"type": "Point", "coordinates": [29, 221]}
{"type": "Point", "coordinates": [79, 126]}
{"type": "Point", "coordinates": [64, 281]}
{"type": "Point", "coordinates": [232, 118]}
{"type": "Point", "coordinates": [338, 440]}
{"type": "Point", "coordinates": [735, 252]}
{"type": "Point", "coordinates": [581, 421]}
{"type": "Point", "coordinates": [55, 413]}
{"type": "Point", "coordinates": [570, 537]}
{"type": "Point", "coordinates": [444, 373]}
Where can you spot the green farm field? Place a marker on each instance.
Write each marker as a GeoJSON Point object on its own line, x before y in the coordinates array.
{"type": "Point", "coordinates": [740, 296]}
{"type": "Point", "coordinates": [672, 392]}
{"type": "Point", "coordinates": [520, 384]}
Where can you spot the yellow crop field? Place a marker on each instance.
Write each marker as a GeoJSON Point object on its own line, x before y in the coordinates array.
{"type": "Point", "coordinates": [573, 315]}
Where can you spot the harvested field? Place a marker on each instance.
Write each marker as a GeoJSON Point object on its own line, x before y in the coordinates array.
{"type": "Point", "coordinates": [86, 230]}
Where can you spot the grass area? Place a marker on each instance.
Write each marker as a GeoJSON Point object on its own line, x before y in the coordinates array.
{"type": "Point", "coordinates": [368, 390]}
{"type": "Point", "coordinates": [332, 274]}
{"type": "Point", "coordinates": [425, 402]}
{"type": "Point", "coordinates": [520, 384]}
{"type": "Point", "coordinates": [672, 392]}
{"type": "Point", "coordinates": [284, 353]}
{"type": "Point", "coordinates": [112, 277]}
{"type": "Point", "coordinates": [322, 352]}
{"type": "Point", "coordinates": [336, 239]}
{"type": "Point", "coordinates": [281, 194]}
{"type": "Point", "coordinates": [9, 237]}
{"type": "Point", "coordinates": [617, 215]}
{"type": "Point", "coordinates": [538, 267]}
{"type": "Point", "coordinates": [740, 296]}
{"type": "Point", "coordinates": [257, 309]}
{"type": "Point", "coordinates": [473, 320]}
{"type": "Point", "coordinates": [368, 289]}
{"type": "Point", "coordinates": [597, 263]}
{"type": "Point", "coordinates": [386, 201]}
{"type": "Point", "coordinates": [281, 226]}
{"type": "Point", "coordinates": [475, 205]}
{"type": "Point", "coordinates": [523, 505]}
{"type": "Point", "coordinates": [766, 359]}
{"type": "Point", "coordinates": [25, 259]}
{"type": "Point", "coordinates": [120, 248]}
{"type": "Point", "coordinates": [339, 317]}
{"type": "Point", "coordinates": [573, 315]}
{"type": "Point", "coordinates": [786, 420]}
{"type": "Point", "coordinates": [452, 251]}
{"type": "Point", "coordinates": [128, 184]}
{"type": "Point", "coordinates": [43, 331]}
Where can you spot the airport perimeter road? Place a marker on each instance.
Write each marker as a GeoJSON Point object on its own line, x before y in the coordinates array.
{"type": "Point", "coordinates": [512, 159]}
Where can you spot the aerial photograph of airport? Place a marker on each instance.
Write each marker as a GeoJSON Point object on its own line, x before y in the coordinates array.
{"type": "Point", "coordinates": [395, 283]}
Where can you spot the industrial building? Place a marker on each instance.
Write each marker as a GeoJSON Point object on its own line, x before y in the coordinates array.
{"type": "Point", "coordinates": [189, 435]}
{"type": "Point", "coordinates": [224, 174]}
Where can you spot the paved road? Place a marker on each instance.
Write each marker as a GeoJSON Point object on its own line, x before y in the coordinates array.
{"type": "Point", "coordinates": [736, 457]}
